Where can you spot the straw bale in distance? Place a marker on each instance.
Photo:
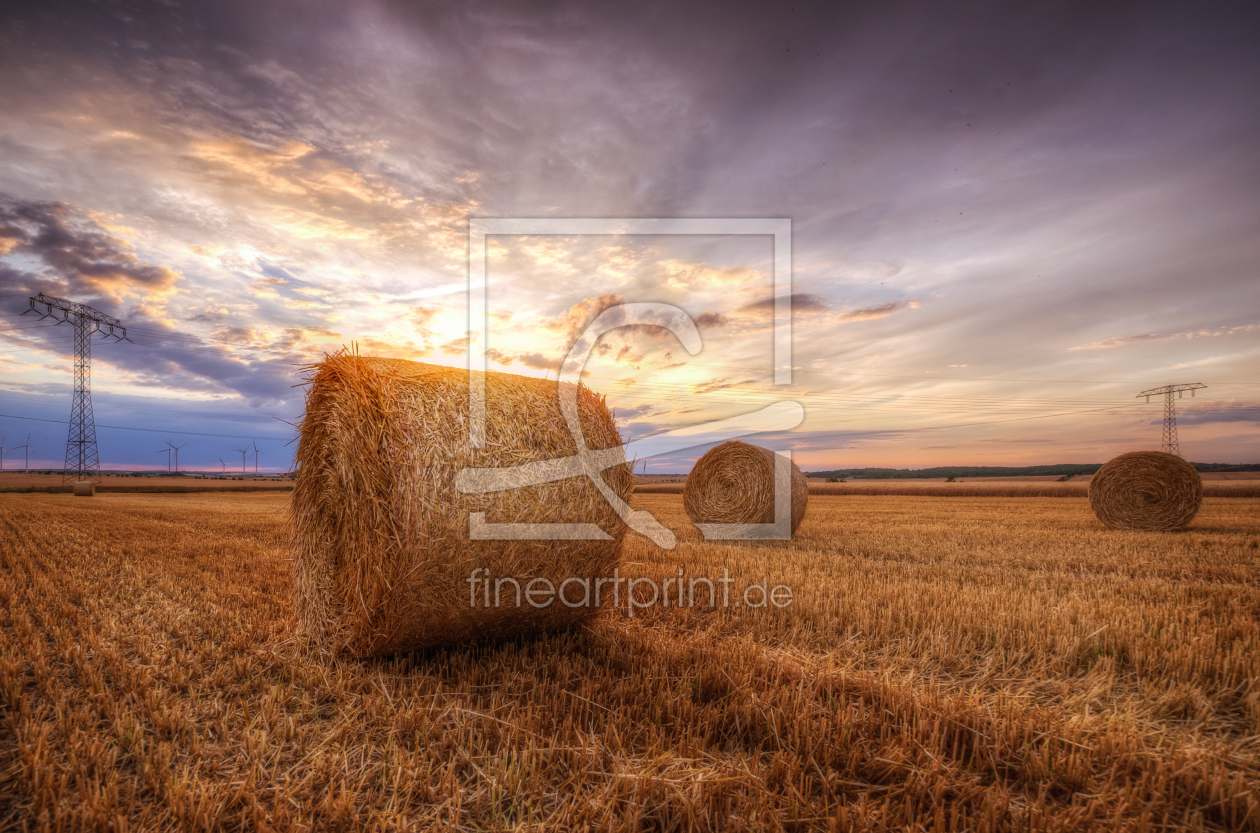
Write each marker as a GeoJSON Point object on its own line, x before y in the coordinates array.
{"type": "Point", "coordinates": [382, 550]}
{"type": "Point", "coordinates": [1146, 490]}
{"type": "Point", "coordinates": [84, 488]}
{"type": "Point", "coordinates": [734, 483]}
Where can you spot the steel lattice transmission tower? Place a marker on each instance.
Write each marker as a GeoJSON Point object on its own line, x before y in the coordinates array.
{"type": "Point", "coordinates": [1169, 443]}
{"type": "Point", "coordinates": [82, 460]}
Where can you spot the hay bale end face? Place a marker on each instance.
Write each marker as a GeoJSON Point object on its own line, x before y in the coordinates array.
{"type": "Point", "coordinates": [383, 557]}
{"type": "Point", "coordinates": [84, 488]}
{"type": "Point", "coordinates": [1146, 490]}
{"type": "Point", "coordinates": [734, 484]}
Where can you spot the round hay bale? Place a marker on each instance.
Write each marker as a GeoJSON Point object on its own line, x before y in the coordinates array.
{"type": "Point", "coordinates": [734, 484]}
{"type": "Point", "coordinates": [84, 488]}
{"type": "Point", "coordinates": [383, 557]}
{"type": "Point", "coordinates": [1146, 490]}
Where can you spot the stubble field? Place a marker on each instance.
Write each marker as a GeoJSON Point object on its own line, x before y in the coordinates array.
{"type": "Point", "coordinates": [965, 663]}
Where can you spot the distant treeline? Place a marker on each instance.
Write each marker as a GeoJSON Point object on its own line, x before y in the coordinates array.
{"type": "Point", "coordinates": [1061, 470]}
{"type": "Point", "coordinates": [1226, 467]}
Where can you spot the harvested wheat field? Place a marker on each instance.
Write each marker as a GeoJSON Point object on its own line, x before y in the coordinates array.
{"type": "Point", "coordinates": [946, 663]}
{"type": "Point", "coordinates": [17, 481]}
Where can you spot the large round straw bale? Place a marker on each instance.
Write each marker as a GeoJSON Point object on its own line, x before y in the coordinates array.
{"type": "Point", "coordinates": [1146, 490]}
{"type": "Point", "coordinates": [383, 555]}
{"type": "Point", "coordinates": [734, 484]}
{"type": "Point", "coordinates": [84, 488]}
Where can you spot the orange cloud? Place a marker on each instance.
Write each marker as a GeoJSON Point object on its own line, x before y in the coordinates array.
{"type": "Point", "coordinates": [1122, 341]}
{"type": "Point", "coordinates": [881, 311]}
{"type": "Point", "coordinates": [681, 275]}
{"type": "Point", "coordinates": [573, 322]}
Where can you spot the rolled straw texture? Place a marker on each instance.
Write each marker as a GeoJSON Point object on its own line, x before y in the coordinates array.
{"type": "Point", "coordinates": [84, 488]}
{"type": "Point", "coordinates": [381, 535]}
{"type": "Point", "coordinates": [734, 483]}
{"type": "Point", "coordinates": [1146, 490]}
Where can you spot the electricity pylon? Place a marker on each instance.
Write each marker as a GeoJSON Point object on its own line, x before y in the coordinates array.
{"type": "Point", "coordinates": [82, 460]}
{"type": "Point", "coordinates": [1170, 443]}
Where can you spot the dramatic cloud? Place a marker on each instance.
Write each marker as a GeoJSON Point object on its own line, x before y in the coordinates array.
{"type": "Point", "coordinates": [881, 311]}
{"type": "Point", "coordinates": [709, 320]}
{"type": "Point", "coordinates": [1231, 411]}
{"type": "Point", "coordinates": [575, 321]}
{"type": "Point", "coordinates": [801, 305]}
{"type": "Point", "coordinates": [813, 305]}
{"type": "Point", "coordinates": [71, 255]}
{"type": "Point", "coordinates": [534, 361]}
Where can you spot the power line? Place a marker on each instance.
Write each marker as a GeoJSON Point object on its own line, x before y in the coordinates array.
{"type": "Point", "coordinates": [906, 376]}
{"type": "Point", "coordinates": [207, 351]}
{"type": "Point", "coordinates": [697, 389]}
{"type": "Point", "coordinates": [29, 327]}
{"type": "Point", "coordinates": [151, 430]}
{"type": "Point", "coordinates": [963, 424]}
{"type": "Point", "coordinates": [152, 338]}
{"type": "Point", "coordinates": [203, 414]}
{"type": "Point", "coordinates": [851, 400]}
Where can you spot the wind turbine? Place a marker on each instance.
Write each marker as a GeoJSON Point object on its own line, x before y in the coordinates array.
{"type": "Point", "coordinates": [224, 465]}
{"type": "Point", "coordinates": [243, 452]}
{"type": "Point", "coordinates": [176, 449]}
{"type": "Point", "coordinates": [168, 457]}
{"type": "Point", "coordinates": [1, 453]}
{"type": "Point", "coordinates": [256, 453]}
{"type": "Point", "coordinates": [27, 466]}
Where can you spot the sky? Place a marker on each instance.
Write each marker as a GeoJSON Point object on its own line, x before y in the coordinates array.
{"type": "Point", "coordinates": [1007, 220]}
